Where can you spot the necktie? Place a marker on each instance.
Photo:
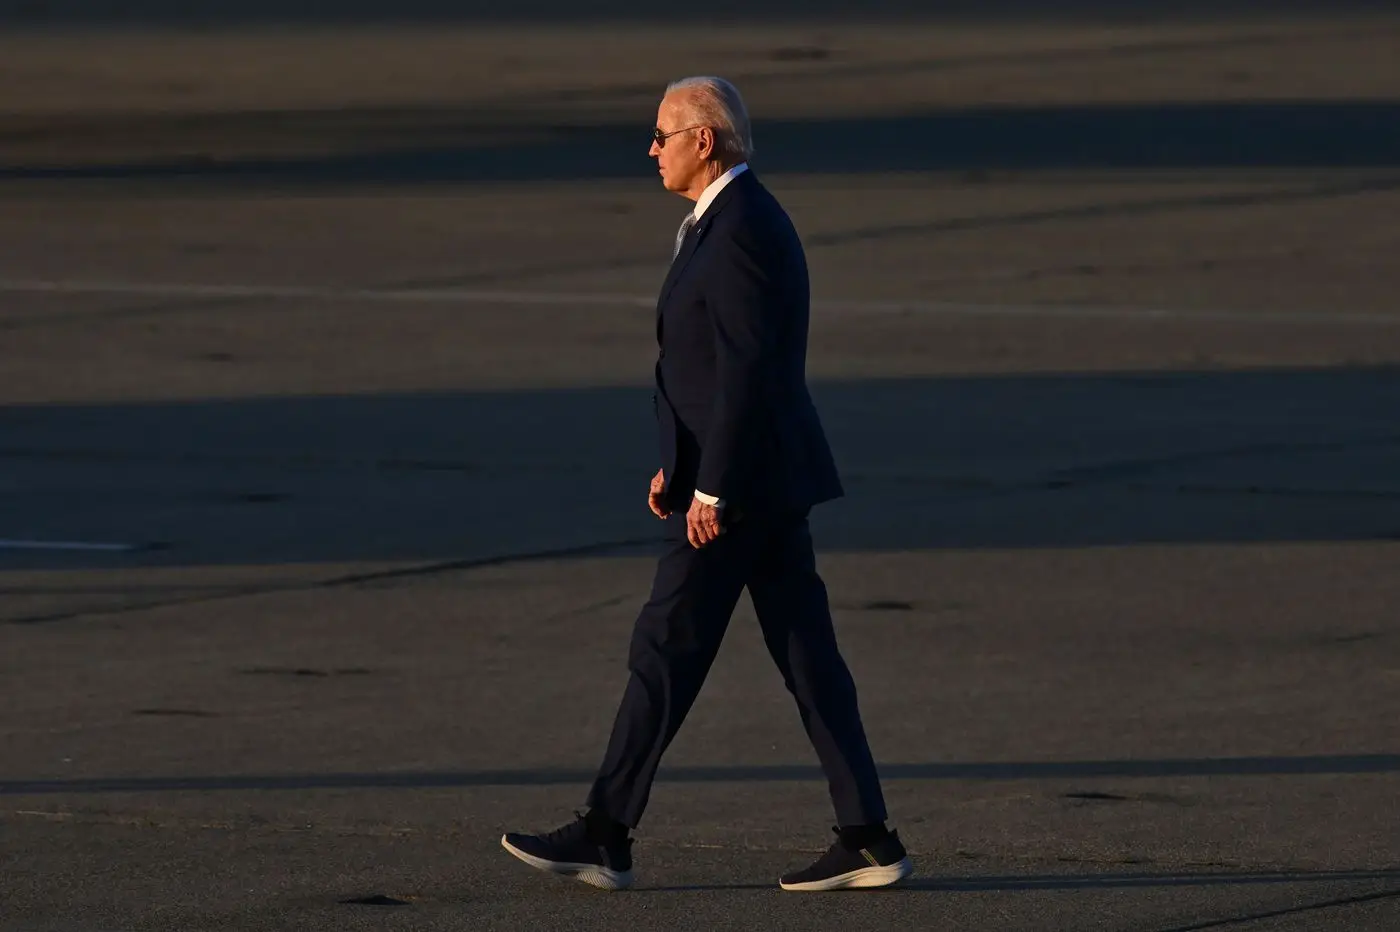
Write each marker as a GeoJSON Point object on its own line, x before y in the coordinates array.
{"type": "Point", "coordinates": [686, 224]}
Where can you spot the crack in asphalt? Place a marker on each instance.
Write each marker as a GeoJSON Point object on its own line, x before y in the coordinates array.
{"type": "Point", "coordinates": [345, 580]}
{"type": "Point", "coordinates": [1129, 208]}
{"type": "Point", "coordinates": [1129, 468]}
{"type": "Point", "coordinates": [1287, 911]}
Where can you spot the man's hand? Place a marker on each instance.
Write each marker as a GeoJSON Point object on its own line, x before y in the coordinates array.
{"type": "Point", "coordinates": [702, 524]}
{"type": "Point", "coordinates": [656, 499]}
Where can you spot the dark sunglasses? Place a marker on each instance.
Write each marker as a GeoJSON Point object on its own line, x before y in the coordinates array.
{"type": "Point", "coordinates": [660, 138]}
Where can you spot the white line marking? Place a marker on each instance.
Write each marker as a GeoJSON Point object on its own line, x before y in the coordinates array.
{"type": "Point", "coordinates": [566, 299]}
{"type": "Point", "coordinates": [318, 292]}
{"type": "Point", "coordinates": [67, 545]}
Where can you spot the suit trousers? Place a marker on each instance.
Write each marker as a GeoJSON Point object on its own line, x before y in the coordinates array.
{"type": "Point", "coordinates": [678, 633]}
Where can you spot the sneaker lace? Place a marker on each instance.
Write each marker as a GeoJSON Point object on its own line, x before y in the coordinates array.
{"type": "Point", "coordinates": [569, 831]}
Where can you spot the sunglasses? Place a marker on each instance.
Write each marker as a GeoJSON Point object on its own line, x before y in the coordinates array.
{"type": "Point", "coordinates": [660, 138]}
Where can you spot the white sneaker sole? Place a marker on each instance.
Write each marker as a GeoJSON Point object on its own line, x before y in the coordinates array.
{"type": "Point", "coordinates": [604, 878]}
{"type": "Point", "coordinates": [857, 879]}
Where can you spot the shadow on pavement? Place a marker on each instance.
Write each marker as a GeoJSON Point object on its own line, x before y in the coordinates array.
{"type": "Point", "coordinates": [929, 463]}
{"type": "Point", "coordinates": [437, 146]}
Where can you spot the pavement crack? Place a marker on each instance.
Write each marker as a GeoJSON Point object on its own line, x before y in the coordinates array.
{"type": "Point", "coordinates": [1288, 911]}
{"type": "Point", "coordinates": [1128, 208]}
{"type": "Point", "coordinates": [970, 487]}
{"type": "Point", "coordinates": [1124, 469]}
{"type": "Point", "coordinates": [471, 563]}
{"type": "Point", "coordinates": [349, 579]}
{"type": "Point", "coordinates": [1286, 491]}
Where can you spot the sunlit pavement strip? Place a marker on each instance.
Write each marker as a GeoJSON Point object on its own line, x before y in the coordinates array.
{"type": "Point", "coordinates": [564, 299]}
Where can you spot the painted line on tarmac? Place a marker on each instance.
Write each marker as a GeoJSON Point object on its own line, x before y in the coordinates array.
{"type": "Point", "coordinates": [317, 293]}
{"type": "Point", "coordinates": [574, 299]}
{"type": "Point", "coordinates": [71, 545]}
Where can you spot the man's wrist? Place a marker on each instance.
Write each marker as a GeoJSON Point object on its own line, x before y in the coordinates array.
{"type": "Point", "coordinates": [706, 499]}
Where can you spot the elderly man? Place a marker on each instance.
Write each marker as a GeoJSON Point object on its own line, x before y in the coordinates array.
{"type": "Point", "coordinates": [744, 459]}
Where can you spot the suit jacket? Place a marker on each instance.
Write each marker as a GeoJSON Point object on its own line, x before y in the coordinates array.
{"type": "Point", "coordinates": [734, 415]}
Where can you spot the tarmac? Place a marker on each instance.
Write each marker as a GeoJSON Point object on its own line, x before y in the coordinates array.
{"type": "Point", "coordinates": [325, 432]}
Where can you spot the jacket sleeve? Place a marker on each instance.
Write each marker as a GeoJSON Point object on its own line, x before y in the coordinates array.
{"type": "Point", "coordinates": [744, 303]}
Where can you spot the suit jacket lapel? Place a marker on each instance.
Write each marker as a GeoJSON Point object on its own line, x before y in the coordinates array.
{"type": "Point", "coordinates": [678, 264]}
{"type": "Point", "coordinates": [692, 242]}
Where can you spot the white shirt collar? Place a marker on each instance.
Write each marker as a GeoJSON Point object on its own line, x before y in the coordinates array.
{"type": "Point", "coordinates": [714, 187]}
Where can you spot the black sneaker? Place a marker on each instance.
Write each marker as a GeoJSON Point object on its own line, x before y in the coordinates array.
{"type": "Point", "coordinates": [878, 865]}
{"type": "Point", "coordinates": [570, 851]}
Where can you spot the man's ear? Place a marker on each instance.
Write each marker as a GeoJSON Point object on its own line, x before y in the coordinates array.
{"type": "Point", "coordinates": [707, 142]}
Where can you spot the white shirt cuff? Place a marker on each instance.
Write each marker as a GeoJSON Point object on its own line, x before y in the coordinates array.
{"type": "Point", "coordinates": [709, 499]}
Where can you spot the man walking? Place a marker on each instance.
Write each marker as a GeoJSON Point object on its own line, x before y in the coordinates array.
{"type": "Point", "coordinates": [744, 459]}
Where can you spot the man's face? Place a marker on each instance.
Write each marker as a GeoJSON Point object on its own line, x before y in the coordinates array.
{"type": "Point", "coordinates": [680, 158]}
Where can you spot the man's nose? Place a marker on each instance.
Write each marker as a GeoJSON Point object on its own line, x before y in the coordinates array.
{"type": "Point", "coordinates": [655, 149]}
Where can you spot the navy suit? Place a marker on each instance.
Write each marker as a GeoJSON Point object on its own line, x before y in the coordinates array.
{"type": "Point", "coordinates": [732, 406]}
{"type": "Point", "coordinates": [735, 420]}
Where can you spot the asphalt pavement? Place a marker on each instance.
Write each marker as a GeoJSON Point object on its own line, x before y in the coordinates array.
{"type": "Point", "coordinates": [325, 431]}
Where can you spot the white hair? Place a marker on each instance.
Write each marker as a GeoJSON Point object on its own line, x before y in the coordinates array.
{"type": "Point", "coordinates": [716, 103]}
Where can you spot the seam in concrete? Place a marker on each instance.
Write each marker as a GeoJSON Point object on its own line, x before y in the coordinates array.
{"type": "Point", "coordinates": [349, 579]}
{"type": "Point", "coordinates": [1290, 911]}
